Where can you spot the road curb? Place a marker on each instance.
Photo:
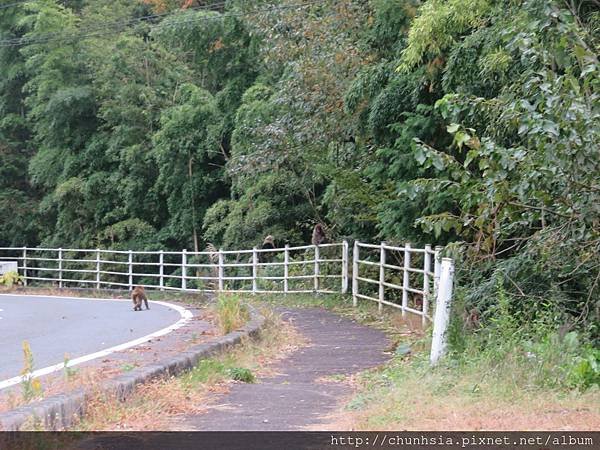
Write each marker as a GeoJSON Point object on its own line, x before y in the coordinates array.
{"type": "Point", "coordinates": [62, 410]}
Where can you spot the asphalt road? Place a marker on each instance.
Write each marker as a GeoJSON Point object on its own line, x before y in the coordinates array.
{"type": "Point", "coordinates": [55, 326]}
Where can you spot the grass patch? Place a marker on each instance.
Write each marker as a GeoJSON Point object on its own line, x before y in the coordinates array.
{"type": "Point", "coordinates": [231, 312]}
{"type": "Point", "coordinates": [479, 395]}
{"type": "Point", "coordinates": [242, 374]}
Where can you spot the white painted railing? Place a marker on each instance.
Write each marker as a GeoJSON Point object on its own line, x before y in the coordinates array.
{"type": "Point", "coordinates": [413, 280]}
{"type": "Point", "coordinates": [304, 269]}
{"type": "Point", "coordinates": [406, 278]}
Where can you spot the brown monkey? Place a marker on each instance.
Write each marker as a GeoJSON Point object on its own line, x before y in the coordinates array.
{"type": "Point", "coordinates": [268, 244]}
{"type": "Point", "coordinates": [471, 319]}
{"type": "Point", "coordinates": [318, 236]}
{"type": "Point", "coordinates": [418, 301]}
{"type": "Point", "coordinates": [213, 256]}
{"type": "Point", "coordinates": [138, 295]}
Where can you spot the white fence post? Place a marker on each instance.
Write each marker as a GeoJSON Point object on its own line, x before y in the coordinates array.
{"type": "Point", "coordinates": [345, 267]}
{"type": "Point", "coordinates": [25, 266]}
{"type": "Point", "coordinates": [442, 311]}
{"type": "Point", "coordinates": [406, 278]}
{"type": "Point", "coordinates": [98, 268]}
{"type": "Point", "coordinates": [254, 270]}
{"type": "Point", "coordinates": [60, 261]}
{"type": "Point", "coordinates": [183, 269]}
{"type": "Point", "coordinates": [381, 276]}
{"type": "Point", "coordinates": [286, 268]}
{"type": "Point", "coordinates": [161, 272]}
{"type": "Point", "coordinates": [130, 269]}
{"type": "Point", "coordinates": [426, 270]}
{"type": "Point", "coordinates": [221, 270]}
{"type": "Point", "coordinates": [355, 274]}
{"type": "Point", "coordinates": [316, 283]}
{"type": "Point", "coordinates": [437, 269]}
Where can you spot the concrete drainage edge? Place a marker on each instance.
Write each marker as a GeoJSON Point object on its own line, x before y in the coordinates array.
{"type": "Point", "coordinates": [63, 410]}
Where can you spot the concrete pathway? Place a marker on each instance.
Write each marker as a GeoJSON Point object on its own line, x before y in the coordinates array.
{"type": "Point", "coordinates": [296, 398]}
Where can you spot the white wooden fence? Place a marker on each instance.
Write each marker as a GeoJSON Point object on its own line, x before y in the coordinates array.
{"type": "Point", "coordinates": [321, 269]}
{"type": "Point", "coordinates": [402, 277]}
{"type": "Point", "coordinates": [410, 279]}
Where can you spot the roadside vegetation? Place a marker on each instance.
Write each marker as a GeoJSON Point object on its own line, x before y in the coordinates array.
{"type": "Point", "coordinates": [10, 279]}
{"type": "Point", "coordinates": [231, 312]}
{"type": "Point", "coordinates": [510, 375]}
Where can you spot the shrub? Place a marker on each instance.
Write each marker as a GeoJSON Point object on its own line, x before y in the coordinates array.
{"type": "Point", "coordinates": [31, 387]}
{"type": "Point", "coordinates": [231, 313]}
{"type": "Point", "coordinates": [10, 279]}
{"type": "Point", "coordinates": [242, 374]}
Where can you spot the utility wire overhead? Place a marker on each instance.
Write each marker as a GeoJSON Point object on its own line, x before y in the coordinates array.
{"type": "Point", "coordinates": [109, 27]}
{"type": "Point", "coordinates": [10, 5]}
{"type": "Point", "coordinates": [104, 25]}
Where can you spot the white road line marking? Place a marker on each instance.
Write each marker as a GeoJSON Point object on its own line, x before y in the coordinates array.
{"type": "Point", "coordinates": [185, 314]}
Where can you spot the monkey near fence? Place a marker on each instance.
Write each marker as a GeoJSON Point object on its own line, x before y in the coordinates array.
{"type": "Point", "coordinates": [138, 295]}
{"type": "Point", "coordinates": [213, 257]}
{"type": "Point", "coordinates": [268, 244]}
{"type": "Point", "coordinates": [318, 235]}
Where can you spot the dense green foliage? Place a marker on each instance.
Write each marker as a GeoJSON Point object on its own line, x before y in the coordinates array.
{"type": "Point", "coordinates": [170, 125]}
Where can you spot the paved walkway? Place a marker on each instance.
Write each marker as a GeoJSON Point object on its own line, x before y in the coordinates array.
{"type": "Point", "coordinates": [295, 399]}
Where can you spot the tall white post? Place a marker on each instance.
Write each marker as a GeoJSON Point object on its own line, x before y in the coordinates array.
{"type": "Point", "coordinates": [426, 270]}
{"type": "Point", "coordinates": [161, 270]}
{"type": "Point", "coordinates": [437, 269]}
{"type": "Point", "coordinates": [406, 278]}
{"type": "Point", "coordinates": [355, 274]}
{"type": "Point", "coordinates": [60, 263]}
{"type": "Point", "coordinates": [442, 311]}
{"type": "Point", "coordinates": [286, 268]}
{"type": "Point", "coordinates": [254, 270]}
{"type": "Point", "coordinates": [316, 283]}
{"type": "Point", "coordinates": [221, 270]}
{"type": "Point", "coordinates": [25, 266]}
{"type": "Point", "coordinates": [381, 276]}
{"type": "Point", "coordinates": [98, 268]}
{"type": "Point", "coordinates": [130, 269]}
{"type": "Point", "coordinates": [345, 267]}
{"type": "Point", "coordinates": [183, 269]}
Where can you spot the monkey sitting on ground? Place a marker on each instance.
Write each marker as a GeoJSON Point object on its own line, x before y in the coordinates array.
{"type": "Point", "coordinates": [318, 235]}
{"type": "Point", "coordinates": [138, 295]}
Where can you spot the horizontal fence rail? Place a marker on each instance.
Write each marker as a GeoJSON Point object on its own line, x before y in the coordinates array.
{"type": "Point", "coordinates": [303, 269]}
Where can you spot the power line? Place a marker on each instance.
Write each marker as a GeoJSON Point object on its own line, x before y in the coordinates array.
{"type": "Point", "coordinates": [104, 25]}
{"type": "Point", "coordinates": [10, 5]}
{"type": "Point", "coordinates": [107, 27]}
